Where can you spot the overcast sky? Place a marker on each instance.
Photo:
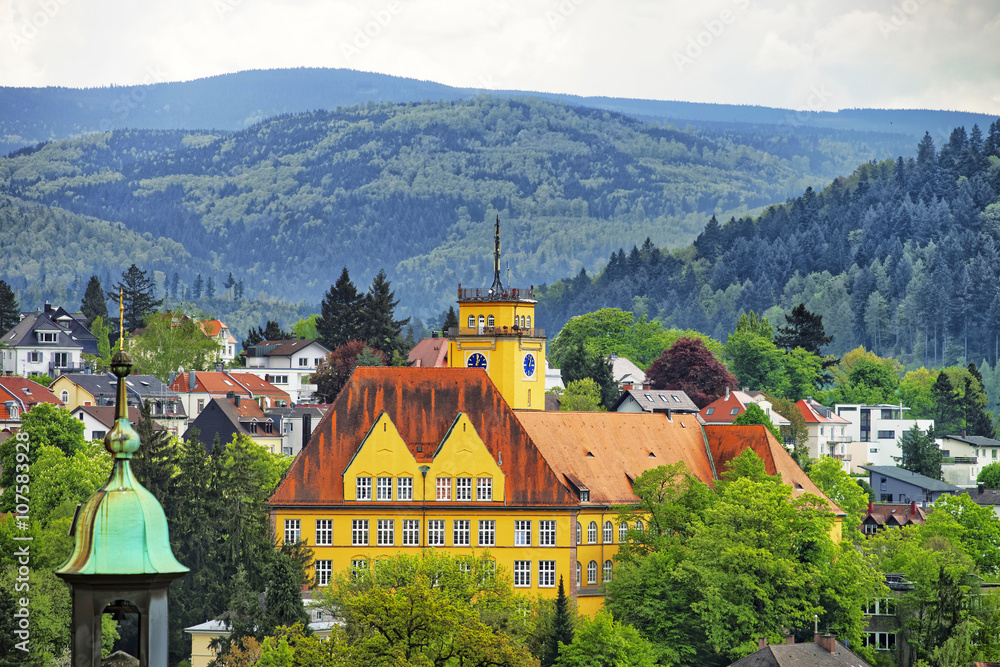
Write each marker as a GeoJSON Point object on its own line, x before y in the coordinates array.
{"type": "Point", "coordinates": [814, 54]}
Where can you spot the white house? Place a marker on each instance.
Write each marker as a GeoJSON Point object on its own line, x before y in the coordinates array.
{"type": "Point", "coordinates": [99, 419]}
{"type": "Point", "coordinates": [626, 373]}
{"type": "Point", "coordinates": [878, 428]}
{"type": "Point", "coordinates": [287, 364]}
{"type": "Point", "coordinates": [965, 456]}
{"type": "Point", "coordinates": [47, 342]}
{"type": "Point", "coordinates": [296, 425]}
{"type": "Point", "coordinates": [220, 333]}
{"type": "Point", "coordinates": [828, 434]}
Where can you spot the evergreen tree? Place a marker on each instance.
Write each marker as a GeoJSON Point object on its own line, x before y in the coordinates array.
{"type": "Point", "coordinates": [378, 326]}
{"type": "Point", "coordinates": [562, 629]}
{"type": "Point", "coordinates": [153, 463]}
{"type": "Point", "coordinates": [920, 453]}
{"type": "Point", "coordinates": [977, 420]}
{"type": "Point", "coordinates": [210, 288]}
{"type": "Point", "coordinates": [10, 312]}
{"type": "Point", "coordinates": [175, 286]}
{"type": "Point", "coordinates": [804, 329]}
{"type": "Point", "coordinates": [137, 294]}
{"type": "Point", "coordinates": [709, 242]}
{"type": "Point", "coordinates": [273, 331]}
{"type": "Point", "coordinates": [578, 363]}
{"type": "Point", "coordinates": [239, 290]}
{"type": "Point", "coordinates": [450, 320]}
{"type": "Point", "coordinates": [94, 304]}
{"type": "Point", "coordinates": [197, 287]}
{"type": "Point", "coordinates": [340, 313]}
{"type": "Point", "coordinates": [947, 407]}
{"type": "Point", "coordinates": [230, 284]}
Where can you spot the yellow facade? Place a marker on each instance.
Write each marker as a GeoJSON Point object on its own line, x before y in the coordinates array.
{"type": "Point", "coordinates": [70, 394]}
{"type": "Point", "coordinates": [499, 335]}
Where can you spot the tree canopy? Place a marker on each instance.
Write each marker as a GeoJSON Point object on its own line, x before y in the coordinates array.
{"type": "Point", "coordinates": [689, 366]}
{"type": "Point", "coordinates": [137, 293]}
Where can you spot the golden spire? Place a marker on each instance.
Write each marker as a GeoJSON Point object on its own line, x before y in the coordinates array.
{"type": "Point", "coordinates": [121, 321]}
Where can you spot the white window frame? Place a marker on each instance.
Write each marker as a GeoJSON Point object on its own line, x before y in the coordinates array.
{"type": "Point", "coordinates": [461, 533]}
{"type": "Point", "coordinates": [411, 532]}
{"type": "Point", "coordinates": [579, 533]}
{"type": "Point", "coordinates": [463, 489]}
{"type": "Point", "coordinates": [609, 532]}
{"type": "Point", "coordinates": [579, 574]}
{"type": "Point", "coordinates": [359, 532]}
{"type": "Point", "coordinates": [324, 532]}
{"type": "Point", "coordinates": [385, 532]}
{"type": "Point", "coordinates": [546, 533]}
{"type": "Point", "coordinates": [383, 488]}
{"type": "Point", "coordinates": [404, 488]}
{"type": "Point", "coordinates": [592, 533]}
{"type": "Point", "coordinates": [546, 574]}
{"type": "Point", "coordinates": [293, 530]}
{"type": "Point", "coordinates": [442, 486]}
{"type": "Point", "coordinates": [435, 532]}
{"type": "Point", "coordinates": [484, 489]}
{"type": "Point", "coordinates": [323, 570]}
{"type": "Point", "coordinates": [522, 532]}
{"type": "Point", "coordinates": [623, 531]}
{"type": "Point", "coordinates": [522, 574]}
{"type": "Point", "coordinates": [487, 533]}
{"type": "Point", "coordinates": [606, 570]}
{"type": "Point", "coordinates": [362, 488]}
{"type": "Point", "coordinates": [592, 572]}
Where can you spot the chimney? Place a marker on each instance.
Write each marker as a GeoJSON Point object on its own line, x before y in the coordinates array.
{"type": "Point", "coordinates": [236, 399]}
{"type": "Point", "coordinates": [48, 309]}
{"type": "Point", "coordinates": [306, 429]}
{"type": "Point", "coordinates": [913, 508]}
{"type": "Point", "coordinates": [789, 640]}
{"type": "Point", "coordinates": [434, 334]}
{"type": "Point", "coordinates": [230, 394]}
{"type": "Point", "coordinates": [827, 642]}
{"type": "Point", "coordinates": [727, 393]}
{"type": "Point", "coordinates": [761, 643]}
{"type": "Point", "coordinates": [963, 433]}
{"type": "Point", "coordinates": [171, 377]}
{"type": "Point", "coordinates": [871, 507]}
{"type": "Point", "coordinates": [192, 380]}
{"type": "Point", "coordinates": [980, 487]}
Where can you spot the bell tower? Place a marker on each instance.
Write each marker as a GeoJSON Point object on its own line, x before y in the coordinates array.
{"type": "Point", "coordinates": [497, 332]}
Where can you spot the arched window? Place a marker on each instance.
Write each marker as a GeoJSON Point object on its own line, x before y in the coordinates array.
{"type": "Point", "coordinates": [579, 532]}
{"type": "Point", "coordinates": [638, 526]}
{"type": "Point", "coordinates": [607, 570]}
{"type": "Point", "coordinates": [482, 320]}
{"type": "Point", "coordinates": [592, 572]}
{"type": "Point", "coordinates": [522, 321]}
{"type": "Point", "coordinates": [622, 531]}
{"type": "Point", "coordinates": [592, 533]}
{"type": "Point", "coordinates": [529, 321]}
{"type": "Point", "coordinates": [472, 321]}
{"type": "Point", "coordinates": [579, 573]}
{"type": "Point", "coordinates": [64, 396]}
{"type": "Point", "coordinates": [609, 531]}
{"type": "Point", "coordinates": [490, 322]}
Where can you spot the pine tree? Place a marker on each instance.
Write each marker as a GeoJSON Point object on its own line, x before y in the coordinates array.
{"type": "Point", "coordinates": [562, 629]}
{"type": "Point", "coordinates": [805, 330]}
{"type": "Point", "coordinates": [920, 453]}
{"type": "Point", "coordinates": [273, 331]}
{"type": "Point", "coordinates": [239, 290]}
{"type": "Point", "coordinates": [210, 288]}
{"type": "Point", "coordinates": [153, 463]}
{"type": "Point", "coordinates": [450, 320]}
{"type": "Point", "coordinates": [175, 286]}
{"type": "Point", "coordinates": [340, 313]}
{"type": "Point", "coordinates": [230, 284]}
{"type": "Point", "coordinates": [94, 304]}
{"type": "Point", "coordinates": [947, 409]}
{"type": "Point", "coordinates": [197, 287]}
{"type": "Point", "coordinates": [10, 312]}
{"type": "Point", "coordinates": [709, 242]}
{"type": "Point", "coordinates": [137, 295]}
{"type": "Point", "coordinates": [378, 326]}
{"type": "Point", "coordinates": [978, 421]}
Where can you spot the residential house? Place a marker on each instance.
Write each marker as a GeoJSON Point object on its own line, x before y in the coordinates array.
{"type": "Point", "coordinates": [415, 457]}
{"type": "Point", "coordinates": [891, 515]}
{"type": "Point", "coordinates": [99, 419]}
{"type": "Point", "coordinates": [197, 388]}
{"type": "Point", "coordinates": [287, 364]}
{"type": "Point", "coordinates": [202, 653]}
{"type": "Point", "coordinates": [553, 379]}
{"type": "Point", "coordinates": [99, 389]}
{"type": "Point", "coordinates": [894, 484]}
{"type": "Point", "coordinates": [667, 401]}
{"type": "Point", "coordinates": [827, 431]}
{"type": "Point", "coordinates": [626, 373]}
{"type": "Point", "coordinates": [47, 342]}
{"type": "Point", "coordinates": [219, 332]}
{"type": "Point", "coordinates": [986, 498]}
{"type": "Point", "coordinates": [964, 456]}
{"type": "Point", "coordinates": [823, 650]}
{"type": "Point", "coordinates": [879, 428]}
{"type": "Point", "coordinates": [233, 415]}
{"type": "Point", "coordinates": [429, 353]}
{"type": "Point", "coordinates": [26, 393]}
{"type": "Point", "coordinates": [728, 407]}
{"type": "Point", "coordinates": [296, 425]}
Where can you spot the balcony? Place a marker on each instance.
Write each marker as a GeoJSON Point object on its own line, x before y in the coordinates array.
{"type": "Point", "coordinates": [496, 332]}
{"type": "Point", "coordinates": [485, 294]}
{"type": "Point", "coordinates": [951, 460]}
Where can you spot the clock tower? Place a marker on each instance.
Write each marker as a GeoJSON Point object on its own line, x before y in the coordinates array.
{"type": "Point", "coordinates": [496, 332]}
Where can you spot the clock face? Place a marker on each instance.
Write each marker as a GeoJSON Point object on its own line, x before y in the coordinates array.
{"type": "Point", "coordinates": [529, 365]}
{"type": "Point", "coordinates": [476, 360]}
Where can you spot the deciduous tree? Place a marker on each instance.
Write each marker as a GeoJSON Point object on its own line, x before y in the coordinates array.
{"type": "Point", "coordinates": [689, 366]}
{"type": "Point", "coordinates": [581, 395]}
{"type": "Point", "coordinates": [605, 642]}
{"type": "Point", "coordinates": [754, 414]}
{"type": "Point", "coordinates": [336, 368]}
{"type": "Point", "coordinates": [171, 341]}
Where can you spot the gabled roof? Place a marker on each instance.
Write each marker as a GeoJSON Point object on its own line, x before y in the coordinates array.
{"type": "Point", "coordinates": [105, 414]}
{"type": "Point", "coordinates": [258, 386]}
{"type": "Point", "coordinates": [209, 382]}
{"type": "Point", "coordinates": [975, 440]}
{"type": "Point", "coordinates": [429, 353]}
{"type": "Point", "coordinates": [281, 348]}
{"type": "Point", "coordinates": [725, 409]}
{"type": "Point", "coordinates": [650, 400]}
{"type": "Point", "coordinates": [816, 413]}
{"type": "Point", "coordinates": [149, 386]}
{"type": "Point", "coordinates": [727, 442]}
{"type": "Point", "coordinates": [97, 385]}
{"type": "Point", "coordinates": [607, 451]}
{"type": "Point", "coordinates": [894, 514]}
{"type": "Point", "coordinates": [986, 497]}
{"type": "Point", "coordinates": [806, 654]}
{"type": "Point", "coordinates": [212, 327]}
{"type": "Point", "coordinates": [924, 482]}
{"type": "Point", "coordinates": [623, 370]}
{"type": "Point", "coordinates": [422, 403]}
{"type": "Point", "coordinates": [23, 334]}
{"type": "Point", "coordinates": [30, 393]}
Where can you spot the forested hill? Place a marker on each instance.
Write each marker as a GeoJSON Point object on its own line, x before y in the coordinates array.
{"type": "Point", "coordinates": [236, 101]}
{"type": "Point", "coordinates": [901, 257]}
{"type": "Point", "coordinates": [412, 188]}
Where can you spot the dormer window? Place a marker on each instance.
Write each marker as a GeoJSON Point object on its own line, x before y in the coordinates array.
{"type": "Point", "coordinates": [48, 336]}
{"type": "Point", "coordinates": [584, 496]}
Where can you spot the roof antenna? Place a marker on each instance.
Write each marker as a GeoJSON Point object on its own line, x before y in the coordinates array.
{"type": "Point", "coordinates": [497, 286]}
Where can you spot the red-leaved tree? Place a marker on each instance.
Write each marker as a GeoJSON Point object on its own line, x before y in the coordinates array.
{"type": "Point", "coordinates": [336, 368]}
{"type": "Point", "coordinates": [689, 366]}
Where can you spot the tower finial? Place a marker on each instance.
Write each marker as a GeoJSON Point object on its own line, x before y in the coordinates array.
{"type": "Point", "coordinates": [121, 321]}
{"type": "Point", "coordinates": [497, 287]}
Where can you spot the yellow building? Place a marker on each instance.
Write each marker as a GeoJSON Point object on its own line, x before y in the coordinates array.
{"type": "Point", "coordinates": [496, 332]}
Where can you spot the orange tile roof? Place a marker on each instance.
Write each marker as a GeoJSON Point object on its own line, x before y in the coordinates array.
{"type": "Point", "coordinates": [27, 391]}
{"type": "Point", "coordinates": [812, 412]}
{"type": "Point", "coordinates": [258, 386]}
{"type": "Point", "coordinates": [604, 449]}
{"type": "Point", "coordinates": [899, 514]}
{"type": "Point", "coordinates": [423, 404]}
{"type": "Point", "coordinates": [728, 441]}
{"type": "Point", "coordinates": [211, 327]}
{"type": "Point", "coordinates": [208, 382]}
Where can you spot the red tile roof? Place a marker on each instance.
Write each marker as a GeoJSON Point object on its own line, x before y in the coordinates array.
{"type": "Point", "coordinates": [720, 411]}
{"type": "Point", "coordinates": [894, 515]}
{"type": "Point", "coordinates": [27, 391]}
{"type": "Point", "coordinates": [211, 327]}
{"type": "Point", "coordinates": [423, 404]}
{"type": "Point", "coordinates": [258, 386]}
{"type": "Point", "coordinates": [728, 441]}
{"type": "Point", "coordinates": [208, 382]}
{"type": "Point", "coordinates": [813, 413]}
{"type": "Point", "coordinates": [607, 450]}
{"type": "Point", "coordinates": [429, 353]}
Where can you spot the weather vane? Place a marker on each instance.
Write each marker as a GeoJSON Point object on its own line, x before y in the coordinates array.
{"type": "Point", "coordinates": [121, 321]}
